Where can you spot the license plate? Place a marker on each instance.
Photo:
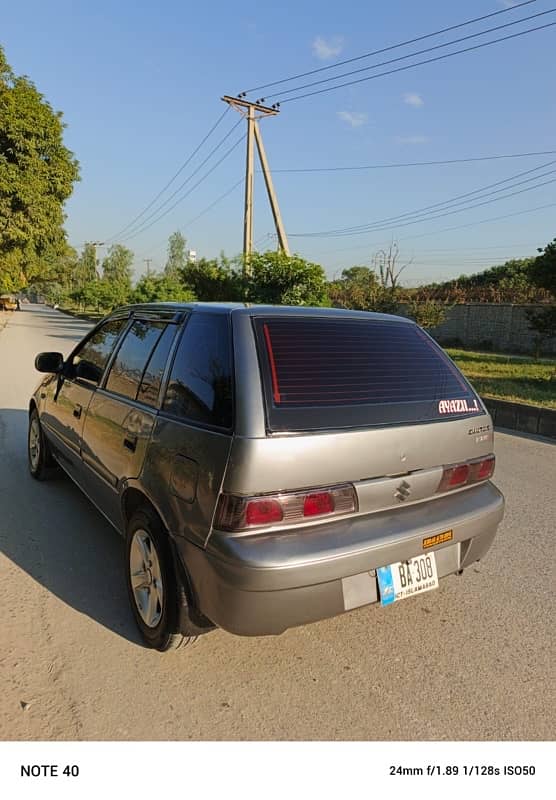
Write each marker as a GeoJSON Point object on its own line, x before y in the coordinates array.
{"type": "Point", "coordinates": [407, 578]}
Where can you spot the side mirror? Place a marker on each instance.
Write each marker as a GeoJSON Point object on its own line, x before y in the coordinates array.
{"type": "Point", "coordinates": [49, 362]}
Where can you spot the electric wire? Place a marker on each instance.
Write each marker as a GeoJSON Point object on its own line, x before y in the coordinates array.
{"type": "Point", "coordinates": [173, 178]}
{"type": "Point", "coordinates": [419, 63]}
{"type": "Point", "coordinates": [437, 231]}
{"type": "Point", "coordinates": [187, 180]}
{"type": "Point", "coordinates": [444, 162]}
{"type": "Point", "coordinates": [189, 192]}
{"type": "Point", "coordinates": [192, 221]}
{"type": "Point", "coordinates": [457, 200]}
{"type": "Point", "coordinates": [412, 55]}
{"type": "Point", "coordinates": [387, 49]}
{"type": "Point", "coordinates": [428, 217]}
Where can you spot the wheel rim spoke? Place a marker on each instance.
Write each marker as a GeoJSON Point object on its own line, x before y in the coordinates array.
{"type": "Point", "coordinates": [34, 443]}
{"type": "Point", "coordinates": [146, 578]}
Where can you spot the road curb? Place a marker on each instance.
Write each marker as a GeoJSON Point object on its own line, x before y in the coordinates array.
{"type": "Point", "coordinates": [78, 315]}
{"type": "Point", "coordinates": [522, 417]}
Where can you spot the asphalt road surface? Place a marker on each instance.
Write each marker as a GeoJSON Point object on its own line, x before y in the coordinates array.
{"type": "Point", "coordinates": [473, 660]}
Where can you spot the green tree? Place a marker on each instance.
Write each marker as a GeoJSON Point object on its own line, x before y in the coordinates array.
{"type": "Point", "coordinates": [358, 288]}
{"type": "Point", "coordinates": [542, 321]}
{"type": "Point", "coordinates": [37, 173]}
{"type": "Point", "coordinates": [543, 271]}
{"type": "Point", "coordinates": [426, 313]}
{"type": "Point", "coordinates": [214, 280]}
{"type": "Point", "coordinates": [279, 279]}
{"type": "Point", "coordinates": [86, 267]}
{"type": "Point", "coordinates": [161, 288]}
{"type": "Point", "coordinates": [176, 255]}
{"type": "Point", "coordinates": [117, 272]}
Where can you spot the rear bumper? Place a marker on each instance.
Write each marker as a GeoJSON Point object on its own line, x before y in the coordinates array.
{"type": "Point", "coordinates": [261, 584]}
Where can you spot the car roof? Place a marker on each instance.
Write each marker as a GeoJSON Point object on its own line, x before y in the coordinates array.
{"type": "Point", "coordinates": [254, 310]}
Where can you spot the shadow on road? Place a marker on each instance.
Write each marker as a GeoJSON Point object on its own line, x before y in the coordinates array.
{"type": "Point", "coordinates": [52, 532]}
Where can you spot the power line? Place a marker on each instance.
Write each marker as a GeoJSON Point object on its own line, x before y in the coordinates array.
{"type": "Point", "coordinates": [173, 178]}
{"type": "Point", "coordinates": [428, 218]}
{"type": "Point", "coordinates": [209, 208]}
{"type": "Point", "coordinates": [388, 221]}
{"type": "Point", "coordinates": [500, 218]}
{"type": "Point", "coordinates": [191, 221]}
{"type": "Point", "coordinates": [387, 49]}
{"type": "Point", "coordinates": [419, 63]}
{"type": "Point", "coordinates": [183, 197]}
{"type": "Point", "coordinates": [412, 55]}
{"type": "Point", "coordinates": [481, 222]}
{"type": "Point", "coordinates": [444, 162]}
{"type": "Point", "coordinates": [186, 181]}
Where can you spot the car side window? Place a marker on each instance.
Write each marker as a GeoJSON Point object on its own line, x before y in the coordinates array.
{"type": "Point", "coordinates": [89, 361]}
{"type": "Point", "coordinates": [200, 385]}
{"type": "Point", "coordinates": [132, 357]}
{"type": "Point", "coordinates": [154, 371]}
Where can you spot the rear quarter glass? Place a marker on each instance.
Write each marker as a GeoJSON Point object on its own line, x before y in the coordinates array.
{"type": "Point", "coordinates": [323, 373]}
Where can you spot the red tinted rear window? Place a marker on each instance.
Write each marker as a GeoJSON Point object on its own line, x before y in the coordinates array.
{"type": "Point", "coordinates": [353, 371]}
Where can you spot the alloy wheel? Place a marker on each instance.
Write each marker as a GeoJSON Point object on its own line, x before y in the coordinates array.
{"type": "Point", "coordinates": [146, 578]}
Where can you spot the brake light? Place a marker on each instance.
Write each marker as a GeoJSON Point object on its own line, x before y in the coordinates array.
{"type": "Point", "coordinates": [456, 476]}
{"type": "Point", "coordinates": [320, 503]}
{"type": "Point", "coordinates": [263, 512]}
{"type": "Point", "coordinates": [235, 513]}
{"type": "Point", "coordinates": [483, 470]}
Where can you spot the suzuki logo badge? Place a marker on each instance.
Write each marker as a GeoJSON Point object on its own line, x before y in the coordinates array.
{"type": "Point", "coordinates": [403, 491]}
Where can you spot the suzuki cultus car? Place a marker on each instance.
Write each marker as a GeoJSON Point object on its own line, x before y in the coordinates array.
{"type": "Point", "coordinates": [269, 466]}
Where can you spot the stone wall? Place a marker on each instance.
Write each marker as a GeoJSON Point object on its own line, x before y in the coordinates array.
{"type": "Point", "coordinates": [502, 327]}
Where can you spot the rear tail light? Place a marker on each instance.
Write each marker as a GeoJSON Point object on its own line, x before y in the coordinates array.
{"type": "Point", "coordinates": [482, 470]}
{"type": "Point", "coordinates": [263, 512]}
{"type": "Point", "coordinates": [456, 476]}
{"type": "Point", "coordinates": [319, 503]}
{"type": "Point", "coordinates": [236, 513]}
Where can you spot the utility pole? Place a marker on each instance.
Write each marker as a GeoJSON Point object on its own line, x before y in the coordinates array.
{"type": "Point", "coordinates": [253, 112]}
{"type": "Point", "coordinates": [148, 262]}
{"type": "Point", "coordinates": [94, 245]}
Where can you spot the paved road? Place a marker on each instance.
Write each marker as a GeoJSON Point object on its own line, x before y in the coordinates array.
{"type": "Point", "coordinates": [471, 661]}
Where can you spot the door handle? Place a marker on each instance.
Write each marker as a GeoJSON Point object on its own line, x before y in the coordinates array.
{"type": "Point", "coordinates": [130, 442]}
{"type": "Point", "coordinates": [77, 411]}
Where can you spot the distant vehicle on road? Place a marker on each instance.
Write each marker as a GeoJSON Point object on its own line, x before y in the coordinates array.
{"type": "Point", "coordinates": [269, 466]}
{"type": "Point", "coordinates": [9, 302]}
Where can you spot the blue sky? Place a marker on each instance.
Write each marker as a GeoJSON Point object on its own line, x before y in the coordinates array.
{"type": "Point", "coordinates": [140, 83]}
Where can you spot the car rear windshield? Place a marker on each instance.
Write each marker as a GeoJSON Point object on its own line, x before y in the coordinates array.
{"type": "Point", "coordinates": [335, 373]}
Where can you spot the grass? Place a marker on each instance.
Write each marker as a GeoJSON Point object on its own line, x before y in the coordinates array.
{"type": "Point", "coordinates": [517, 378]}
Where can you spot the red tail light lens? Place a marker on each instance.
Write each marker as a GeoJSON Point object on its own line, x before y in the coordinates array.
{"type": "Point", "coordinates": [483, 470]}
{"type": "Point", "coordinates": [457, 475]}
{"type": "Point", "coordinates": [263, 512]}
{"type": "Point", "coordinates": [235, 513]}
{"type": "Point", "coordinates": [320, 503]}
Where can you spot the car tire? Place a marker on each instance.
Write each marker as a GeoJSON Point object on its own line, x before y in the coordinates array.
{"type": "Point", "coordinates": [39, 455]}
{"type": "Point", "coordinates": [154, 592]}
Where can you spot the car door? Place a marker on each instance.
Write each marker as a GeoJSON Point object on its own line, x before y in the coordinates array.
{"type": "Point", "coordinates": [68, 396]}
{"type": "Point", "coordinates": [121, 414]}
{"type": "Point", "coordinates": [190, 443]}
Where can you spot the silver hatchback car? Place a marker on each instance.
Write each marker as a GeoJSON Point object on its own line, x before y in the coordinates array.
{"type": "Point", "coordinates": [269, 466]}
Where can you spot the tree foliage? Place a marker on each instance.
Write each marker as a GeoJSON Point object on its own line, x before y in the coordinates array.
{"type": "Point", "coordinates": [511, 282]}
{"type": "Point", "coordinates": [177, 260]}
{"type": "Point", "coordinates": [155, 288]}
{"type": "Point", "coordinates": [214, 280]}
{"type": "Point", "coordinates": [37, 173]}
{"type": "Point", "coordinates": [117, 273]}
{"type": "Point", "coordinates": [279, 279]}
{"type": "Point", "coordinates": [362, 289]}
{"type": "Point", "coordinates": [543, 271]}
{"type": "Point", "coordinates": [426, 313]}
